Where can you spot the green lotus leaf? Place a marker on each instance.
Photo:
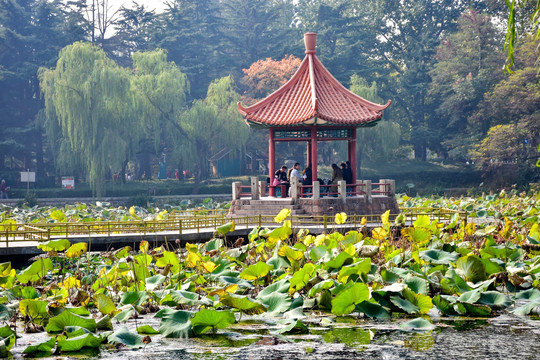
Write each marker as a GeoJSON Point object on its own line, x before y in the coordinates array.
{"type": "Point", "coordinates": [302, 276]}
{"type": "Point", "coordinates": [6, 313]}
{"type": "Point", "coordinates": [243, 303]}
{"type": "Point", "coordinates": [346, 300]}
{"type": "Point", "coordinates": [36, 271]}
{"type": "Point", "coordinates": [422, 221]}
{"type": "Point", "coordinates": [104, 304]}
{"type": "Point", "coordinates": [361, 267]}
{"type": "Point", "coordinates": [67, 318]}
{"type": "Point", "coordinates": [418, 234]}
{"type": "Point", "coordinates": [469, 297]}
{"type": "Point", "coordinates": [214, 244]}
{"type": "Point", "coordinates": [231, 280]}
{"type": "Point", "coordinates": [282, 215]}
{"type": "Point", "coordinates": [278, 262]}
{"type": "Point", "coordinates": [290, 253]}
{"type": "Point", "coordinates": [126, 312]}
{"type": "Point", "coordinates": [125, 337]}
{"type": "Point", "coordinates": [209, 319]}
{"type": "Point", "coordinates": [254, 234]}
{"type": "Point", "coordinates": [225, 228]}
{"type": "Point", "coordinates": [176, 324]}
{"type": "Point", "coordinates": [147, 330]}
{"type": "Point", "coordinates": [104, 323]}
{"type": "Point", "coordinates": [255, 271]}
{"type": "Point", "coordinates": [341, 260]}
{"type": "Point", "coordinates": [372, 310]}
{"type": "Point", "coordinates": [181, 297]}
{"type": "Point", "coordinates": [293, 326]}
{"type": "Point", "coordinates": [54, 245]}
{"type": "Point", "coordinates": [78, 342]}
{"type": "Point", "coordinates": [280, 286]}
{"type": "Point", "coordinates": [423, 302]}
{"type": "Point", "coordinates": [418, 324]}
{"type": "Point", "coordinates": [417, 284]}
{"type": "Point", "coordinates": [527, 308]}
{"type": "Point", "coordinates": [471, 268]}
{"type": "Point", "coordinates": [35, 309]}
{"type": "Point", "coordinates": [477, 309]}
{"type": "Point", "coordinates": [280, 233]}
{"type": "Point", "coordinates": [435, 256]}
{"type": "Point", "coordinates": [73, 331]}
{"type": "Point", "coordinates": [530, 294]}
{"type": "Point", "coordinates": [495, 300]}
{"type": "Point", "coordinates": [136, 298]}
{"type": "Point", "coordinates": [168, 258]}
{"type": "Point", "coordinates": [323, 285]}
{"type": "Point", "coordinates": [404, 304]}
{"type": "Point", "coordinates": [319, 252]}
{"type": "Point", "coordinates": [277, 303]}
{"type": "Point", "coordinates": [444, 305]}
{"type": "Point", "coordinates": [43, 348]}
{"type": "Point", "coordinates": [154, 281]}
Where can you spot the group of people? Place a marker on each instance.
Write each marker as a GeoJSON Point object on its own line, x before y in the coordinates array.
{"type": "Point", "coordinates": [283, 175]}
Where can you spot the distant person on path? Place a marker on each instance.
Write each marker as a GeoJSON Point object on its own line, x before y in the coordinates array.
{"type": "Point", "coordinates": [307, 176]}
{"type": "Point", "coordinates": [4, 190]}
{"type": "Point", "coordinates": [296, 172]}
{"type": "Point", "coordinates": [347, 175]}
{"type": "Point", "coordinates": [280, 178]}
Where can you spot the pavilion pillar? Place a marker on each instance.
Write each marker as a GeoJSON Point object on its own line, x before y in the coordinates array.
{"type": "Point", "coordinates": [352, 156]}
{"type": "Point", "coordinates": [271, 161]}
{"type": "Point", "coordinates": [314, 153]}
{"type": "Point", "coordinates": [308, 154]}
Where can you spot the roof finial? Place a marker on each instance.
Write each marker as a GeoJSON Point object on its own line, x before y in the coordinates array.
{"type": "Point", "coordinates": [310, 39]}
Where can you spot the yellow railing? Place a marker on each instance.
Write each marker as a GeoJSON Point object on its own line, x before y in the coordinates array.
{"type": "Point", "coordinates": [181, 222]}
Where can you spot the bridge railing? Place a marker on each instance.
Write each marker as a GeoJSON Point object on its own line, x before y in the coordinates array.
{"type": "Point", "coordinates": [179, 224]}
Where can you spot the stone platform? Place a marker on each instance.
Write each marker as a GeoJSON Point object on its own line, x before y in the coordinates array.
{"type": "Point", "coordinates": [367, 199]}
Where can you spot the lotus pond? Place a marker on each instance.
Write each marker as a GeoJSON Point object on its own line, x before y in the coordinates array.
{"type": "Point", "coordinates": [452, 290]}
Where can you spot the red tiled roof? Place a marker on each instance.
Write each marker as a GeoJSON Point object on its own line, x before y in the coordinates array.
{"type": "Point", "coordinates": [312, 96]}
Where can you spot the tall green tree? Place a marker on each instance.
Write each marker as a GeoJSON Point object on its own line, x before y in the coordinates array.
{"type": "Point", "coordinates": [469, 63]}
{"type": "Point", "coordinates": [90, 98]}
{"type": "Point", "coordinates": [212, 124]}
{"type": "Point", "coordinates": [408, 33]}
{"type": "Point", "coordinates": [32, 32]}
{"type": "Point", "coordinates": [161, 91]}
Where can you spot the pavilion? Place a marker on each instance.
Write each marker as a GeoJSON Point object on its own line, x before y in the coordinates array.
{"type": "Point", "coordinates": [311, 107]}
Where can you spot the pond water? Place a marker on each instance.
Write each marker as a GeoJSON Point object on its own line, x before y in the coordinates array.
{"type": "Point", "coordinates": [503, 337]}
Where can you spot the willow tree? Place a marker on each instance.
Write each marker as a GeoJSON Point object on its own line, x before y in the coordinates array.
{"type": "Point", "coordinates": [88, 99]}
{"type": "Point", "coordinates": [378, 142]}
{"type": "Point", "coordinates": [214, 123]}
{"type": "Point", "coordinates": [161, 90]}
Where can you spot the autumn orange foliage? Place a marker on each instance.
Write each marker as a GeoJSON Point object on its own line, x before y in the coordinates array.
{"type": "Point", "coordinates": [266, 76]}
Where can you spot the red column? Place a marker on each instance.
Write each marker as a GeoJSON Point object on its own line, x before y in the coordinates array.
{"type": "Point", "coordinates": [314, 153]}
{"type": "Point", "coordinates": [271, 161]}
{"type": "Point", "coordinates": [352, 155]}
{"type": "Point", "coordinates": [308, 153]}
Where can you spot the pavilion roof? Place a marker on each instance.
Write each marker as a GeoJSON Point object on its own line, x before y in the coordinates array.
{"type": "Point", "coordinates": [312, 97]}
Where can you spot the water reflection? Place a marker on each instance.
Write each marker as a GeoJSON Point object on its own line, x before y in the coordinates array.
{"type": "Point", "coordinates": [420, 341]}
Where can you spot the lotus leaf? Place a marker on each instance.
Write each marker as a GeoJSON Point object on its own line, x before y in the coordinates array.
{"type": "Point", "coordinates": [35, 309]}
{"type": "Point", "coordinates": [67, 318]}
{"type": "Point", "coordinates": [78, 342]}
{"type": "Point", "coordinates": [277, 303]}
{"type": "Point", "coordinates": [362, 266]}
{"type": "Point", "coordinates": [104, 304]}
{"type": "Point", "coordinates": [225, 228]}
{"type": "Point", "coordinates": [255, 271]}
{"type": "Point", "coordinates": [125, 313]}
{"type": "Point", "coordinates": [323, 285]}
{"type": "Point", "coordinates": [341, 260]}
{"type": "Point", "coordinates": [280, 286]}
{"type": "Point", "coordinates": [435, 256]}
{"type": "Point", "coordinates": [104, 323]}
{"type": "Point", "coordinates": [280, 233]}
{"type": "Point", "coordinates": [372, 310]}
{"type": "Point", "coordinates": [418, 324]}
{"type": "Point", "coordinates": [136, 298]}
{"type": "Point", "coordinates": [76, 250]}
{"type": "Point", "coordinates": [37, 270]}
{"type": "Point", "coordinates": [207, 319]}
{"type": "Point", "coordinates": [404, 304]}
{"type": "Point", "coordinates": [147, 330]}
{"type": "Point", "coordinates": [125, 337]}
{"type": "Point", "coordinates": [471, 268]}
{"type": "Point", "coordinates": [243, 303]}
{"type": "Point", "coordinates": [469, 297]}
{"type": "Point", "coordinates": [292, 327]}
{"type": "Point", "coordinates": [301, 277]}
{"type": "Point", "coordinates": [176, 324]}
{"type": "Point", "coordinates": [494, 300]}
{"type": "Point", "coordinates": [282, 215]}
{"type": "Point", "coordinates": [346, 300]}
{"type": "Point", "coordinates": [340, 218]}
{"type": "Point", "coordinates": [43, 348]}
{"type": "Point", "coordinates": [169, 258]}
{"type": "Point", "coordinates": [290, 254]}
{"type": "Point", "coordinates": [54, 245]}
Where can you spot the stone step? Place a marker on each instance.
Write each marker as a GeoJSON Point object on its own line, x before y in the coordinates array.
{"type": "Point", "coordinates": [272, 201]}
{"type": "Point", "coordinates": [269, 207]}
